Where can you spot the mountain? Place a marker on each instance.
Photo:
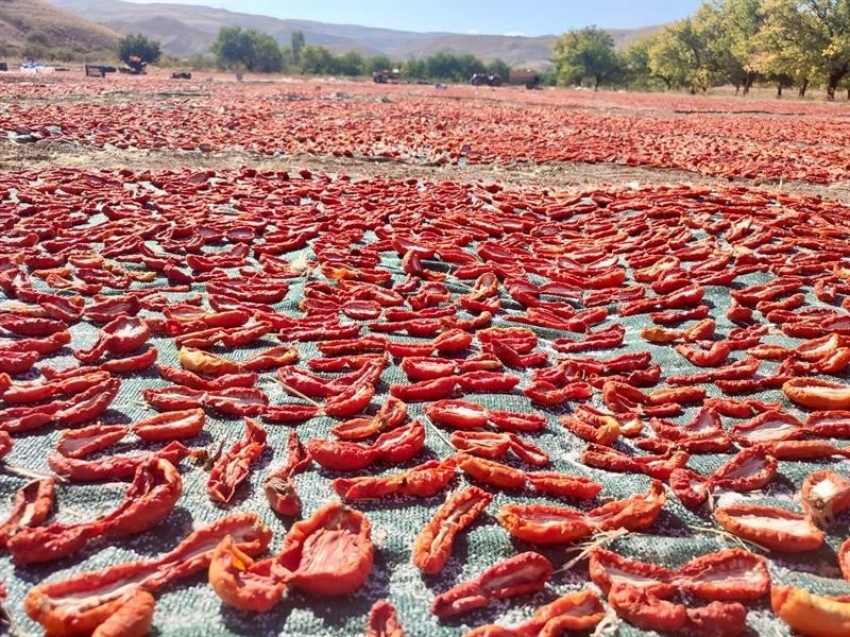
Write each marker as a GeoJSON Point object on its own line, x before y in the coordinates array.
{"type": "Point", "coordinates": [183, 30]}
{"type": "Point", "coordinates": [28, 27]}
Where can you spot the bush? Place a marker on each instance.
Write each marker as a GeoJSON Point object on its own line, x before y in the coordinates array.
{"type": "Point", "coordinates": [140, 46]}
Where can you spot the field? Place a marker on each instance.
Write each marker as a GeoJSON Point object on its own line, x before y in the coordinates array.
{"type": "Point", "coordinates": [616, 323]}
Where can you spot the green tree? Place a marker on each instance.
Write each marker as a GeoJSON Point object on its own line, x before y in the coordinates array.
{"type": "Point", "coordinates": [714, 46]}
{"type": "Point", "coordinates": [808, 40]}
{"type": "Point", "coordinates": [230, 47]}
{"type": "Point", "coordinates": [636, 63]}
{"type": "Point", "coordinates": [296, 45]}
{"type": "Point", "coordinates": [670, 61]}
{"type": "Point", "coordinates": [140, 46]}
{"type": "Point", "coordinates": [378, 63]}
{"type": "Point", "coordinates": [414, 69]}
{"type": "Point", "coordinates": [351, 64]}
{"type": "Point", "coordinates": [268, 57]}
{"type": "Point", "coordinates": [317, 60]}
{"type": "Point", "coordinates": [714, 35]}
{"type": "Point", "coordinates": [741, 21]}
{"type": "Point", "coordinates": [684, 54]}
{"type": "Point", "coordinates": [248, 50]}
{"type": "Point", "coordinates": [452, 67]}
{"type": "Point", "coordinates": [586, 54]}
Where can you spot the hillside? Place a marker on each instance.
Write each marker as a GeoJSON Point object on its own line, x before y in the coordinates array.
{"type": "Point", "coordinates": [29, 27]}
{"type": "Point", "coordinates": [183, 30]}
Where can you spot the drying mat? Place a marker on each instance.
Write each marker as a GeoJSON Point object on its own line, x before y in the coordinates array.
{"type": "Point", "coordinates": [190, 607]}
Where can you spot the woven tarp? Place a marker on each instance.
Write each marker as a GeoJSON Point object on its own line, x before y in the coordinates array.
{"type": "Point", "coordinates": [190, 607]}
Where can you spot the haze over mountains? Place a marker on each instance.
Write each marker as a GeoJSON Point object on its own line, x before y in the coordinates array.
{"type": "Point", "coordinates": [186, 29]}
{"type": "Point", "coordinates": [23, 21]}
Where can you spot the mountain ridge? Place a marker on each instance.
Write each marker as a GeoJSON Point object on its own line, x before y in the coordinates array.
{"type": "Point", "coordinates": [36, 26]}
{"type": "Point", "coordinates": [184, 30]}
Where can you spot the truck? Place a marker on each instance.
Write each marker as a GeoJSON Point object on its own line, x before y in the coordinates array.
{"type": "Point", "coordinates": [516, 77]}
{"type": "Point", "coordinates": [386, 76]}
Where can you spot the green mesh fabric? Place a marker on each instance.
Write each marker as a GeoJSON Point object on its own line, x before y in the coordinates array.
{"type": "Point", "coordinates": [190, 607]}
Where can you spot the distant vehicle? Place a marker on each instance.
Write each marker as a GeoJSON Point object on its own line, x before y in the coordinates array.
{"type": "Point", "coordinates": [98, 70]}
{"type": "Point", "coordinates": [485, 79]}
{"type": "Point", "coordinates": [181, 75]}
{"type": "Point", "coordinates": [386, 76]}
{"type": "Point", "coordinates": [32, 67]}
{"type": "Point", "coordinates": [528, 77]}
{"type": "Point", "coordinates": [135, 66]}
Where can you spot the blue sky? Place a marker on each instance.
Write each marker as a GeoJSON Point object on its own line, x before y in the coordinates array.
{"type": "Point", "coordinates": [516, 17]}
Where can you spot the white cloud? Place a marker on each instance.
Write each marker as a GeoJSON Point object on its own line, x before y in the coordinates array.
{"type": "Point", "coordinates": [514, 34]}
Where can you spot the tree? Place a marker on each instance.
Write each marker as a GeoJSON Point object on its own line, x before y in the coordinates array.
{"type": "Point", "coordinates": [741, 21]}
{"type": "Point", "coordinates": [378, 63]}
{"type": "Point", "coordinates": [809, 40]}
{"type": "Point", "coordinates": [586, 54]}
{"type": "Point", "coordinates": [230, 47]}
{"type": "Point", "coordinates": [670, 60]}
{"type": "Point", "coordinates": [350, 64]}
{"type": "Point", "coordinates": [414, 69]}
{"type": "Point", "coordinates": [317, 60]}
{"type": "Point", "coordinates": [296, 45]}
{"type": "Point", "coordinates": [685, 55]}
{"type": "Point", "coordinates": [251, 50]}
{"type": "Point", "coordinates": [715, 34]}
{"type": "Point", "coordinates": [139, 46]}
{"type": "Point", "coordinates": [268, 57]}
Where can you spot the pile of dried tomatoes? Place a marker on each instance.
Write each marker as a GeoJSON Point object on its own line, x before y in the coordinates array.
{"type": "Point", "coordinates": [484, 410]}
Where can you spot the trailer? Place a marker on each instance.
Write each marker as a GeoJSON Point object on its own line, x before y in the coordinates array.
{"type": "Point", "coordinates": [524, 77]}
{"type": "Point", "coordinates": [95, 70]}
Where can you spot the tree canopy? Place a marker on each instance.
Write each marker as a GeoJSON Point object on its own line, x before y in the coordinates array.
{"type": "Point", "coordinates": [741, 41]}
{"type": "Point", "coordinates": [738, 42]}
{"type": "Point", "coordinates": [296, 46]}
{"type": "Point", "coordinates": [586, 55]}
{"type": "Point", "coordinates": [140, 46]}
{"type": "Point", "coordinates": [248, 50]}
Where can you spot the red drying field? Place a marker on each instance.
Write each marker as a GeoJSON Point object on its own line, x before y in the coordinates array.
{"type": "Point", "coordinates": [613, 361]}
{"type": "Point", "coordinates": [715, 137]}
{"type": "Point", "coordinates": [283, 402]}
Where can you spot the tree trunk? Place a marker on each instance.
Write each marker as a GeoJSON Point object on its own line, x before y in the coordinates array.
{"type": "Point", "coordinates": [779, 91]}
{"type": "Point", "coordinates": [832, 83]}
{"type": "Point", "coordinates": [749, 79]}
{"type": "Point", "coordinates": [803, 86]}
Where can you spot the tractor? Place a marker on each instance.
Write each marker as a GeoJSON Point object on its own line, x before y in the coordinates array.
{"type": "Point", "coordinates": [135, 66]}
{"type": "Point", "coordinates": [484, 79]}
{"type": "Point", "coordinates": [386, 76]}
